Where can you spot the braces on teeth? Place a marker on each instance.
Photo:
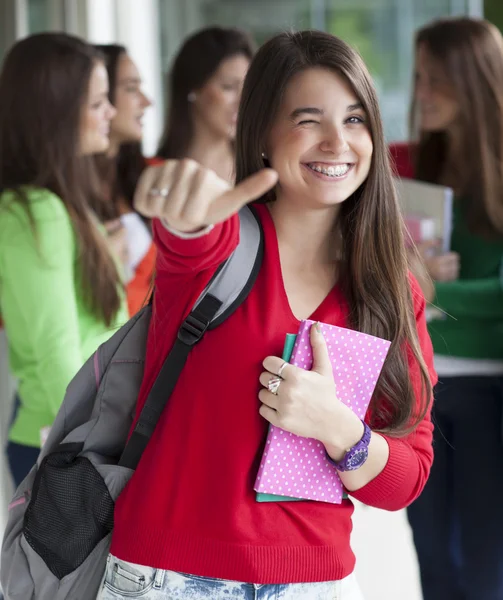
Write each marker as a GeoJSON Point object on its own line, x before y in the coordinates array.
{"type": "Point", "coordinates": [332, 171]}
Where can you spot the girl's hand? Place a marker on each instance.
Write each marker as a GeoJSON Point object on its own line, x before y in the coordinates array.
{"type": "Point", "coordinates": [441, 266]}
{"type": "Point", "coordinates": [306, 402]}
{"type": "Point", "coordinates": [117, 240]}
{"type": "Point", "coordinates": [190, 197]}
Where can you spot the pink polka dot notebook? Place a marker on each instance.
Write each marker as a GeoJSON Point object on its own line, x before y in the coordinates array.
{"type": "Point", "coordinates": [297, 467]}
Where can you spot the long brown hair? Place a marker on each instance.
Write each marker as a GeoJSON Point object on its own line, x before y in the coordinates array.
{"type": "Point", "coordinates": [375, 275]}
{"type": "Point", "coordinates": [43, 87]}
{"type": "Point", "coordinates": [196, 62]}
{"type": "Point", "coordinates": [122, 171]}
{"type": "Point", "coordinates": [470, 53]}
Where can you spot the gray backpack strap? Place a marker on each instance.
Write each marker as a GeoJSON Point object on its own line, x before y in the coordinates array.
{"type": "Point", "coordinates": [228, 288]}
{"type": "Point", "coordinates": [234, 279]}
{"type": "Point", "coordinates": [117, 365]}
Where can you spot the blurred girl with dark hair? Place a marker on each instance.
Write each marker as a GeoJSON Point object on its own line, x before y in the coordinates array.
{"type": "Point", "coordinates": [204, 90]}
{"type": "Point", "coordinates": [457, 128]}
{"type": "Point", "coordinates": [120, 168]}
{"type": "Point", "coordinates": [61, 293]}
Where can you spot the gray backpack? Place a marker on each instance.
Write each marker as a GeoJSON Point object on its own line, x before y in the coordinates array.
{"type": "Point", "coordinates": [61, 518]}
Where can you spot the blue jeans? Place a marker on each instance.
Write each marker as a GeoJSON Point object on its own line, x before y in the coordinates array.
{"type": "Point", "coordinates": [21, 458]}
{"type": "Point", "coordinates": [457, 521]}
{"type": "Point", "coordinates": [124, 580]}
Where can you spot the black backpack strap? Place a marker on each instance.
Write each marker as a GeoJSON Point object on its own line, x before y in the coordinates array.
{"type": "Point", "coordinates": [227, 290]}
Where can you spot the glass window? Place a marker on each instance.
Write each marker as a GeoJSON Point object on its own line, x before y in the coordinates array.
{"type": "Point", "coordinates": [381, 30]}
{"type": "Point", "coordinates": [45, 15]}
{"type": "Point", "coordinates": [7, 27]}
{"type": "Point", "coordinates": [384, 37]}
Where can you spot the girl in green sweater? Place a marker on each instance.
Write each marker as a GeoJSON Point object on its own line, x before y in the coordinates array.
{"type": "Point", "coordinates": [458, 115]}
{"type": "Point", "coordinates": [60, 290]}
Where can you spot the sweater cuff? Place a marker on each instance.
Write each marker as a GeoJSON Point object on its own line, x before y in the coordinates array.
{"type": "Point", "coordinates": [185, 235]}
{"type": "Point", "coordinates": [190, 244]}
{"type": "Point", "coordinates": [393, 488]}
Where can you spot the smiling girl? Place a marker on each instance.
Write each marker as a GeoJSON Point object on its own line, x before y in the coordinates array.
{"type": "Point", "coordinates": [188, 525]}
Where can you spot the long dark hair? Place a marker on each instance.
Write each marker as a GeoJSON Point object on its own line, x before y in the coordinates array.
{"type": "Point", "coordinates": [121, 173]}
{"type": "Point", "coordinates": [470, 52]}
{"type": "Point", "coordinates": [375, 274]}
{"type": "Point", "coordinates": [196, 62]}
{"type": "Point", "coordinates": [44, 84]}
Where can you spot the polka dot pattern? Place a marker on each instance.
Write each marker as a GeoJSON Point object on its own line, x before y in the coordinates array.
{"type": "Point", "coordinates": [298, 467]}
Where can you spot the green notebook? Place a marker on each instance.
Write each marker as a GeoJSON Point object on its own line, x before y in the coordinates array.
{"type": "Point", "coordinates": [287, 354]}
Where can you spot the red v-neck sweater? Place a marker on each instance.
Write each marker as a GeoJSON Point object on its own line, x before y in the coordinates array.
{"type": "Point", "coordinates": [190, 505]}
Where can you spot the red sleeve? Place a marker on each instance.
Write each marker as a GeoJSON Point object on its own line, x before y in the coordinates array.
{"type": "Point", "coordinates": [401, 160]}
{"type": "Point", "coordinates": [183, 269]}
{"type": "Point", "coordinates": [410, 458]}
{"type": "Point", "coordinates": [179, 256]}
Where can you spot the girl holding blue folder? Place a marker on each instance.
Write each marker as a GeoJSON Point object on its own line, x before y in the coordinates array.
{"type": "Point", "coordinates": [457, 119]}
{"type": "Point", "coordinates": [311, 154]}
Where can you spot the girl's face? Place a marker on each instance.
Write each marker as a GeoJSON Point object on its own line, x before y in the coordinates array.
{"type": "Point", "coordinates": [436, 101]}
{"type": "Point", "coordinates": [216, 103]}
{"type": "Point", "coordinates": [130, 103]}
{"type": "Point", "coordinates": [96, 114]}
{"type": "Point", "coordinates": [320, 143]}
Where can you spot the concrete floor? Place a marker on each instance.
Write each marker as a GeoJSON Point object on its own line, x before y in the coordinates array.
{"type": "Point", "coordinates": [386, 565]}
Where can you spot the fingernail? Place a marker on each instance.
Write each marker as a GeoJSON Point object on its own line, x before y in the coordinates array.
{"type": "Point", "coordinates": [318, 326]}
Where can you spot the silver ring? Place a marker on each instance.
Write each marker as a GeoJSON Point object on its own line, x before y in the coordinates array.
{"type": "Point", "coordinates": [281, 368]}
{"type": "Point", "coordinates": [273, 385]}
{"type": "Point", "coordinates": [159, 192]}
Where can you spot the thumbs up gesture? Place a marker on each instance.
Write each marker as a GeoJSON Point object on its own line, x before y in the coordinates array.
{"type": "Point", "coordinates": [305, 402]}
{"type": "Point", "coordinates": [189, 197]}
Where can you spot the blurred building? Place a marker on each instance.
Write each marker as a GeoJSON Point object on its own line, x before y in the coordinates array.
{"type": "Point", "coordinates": [382, 31]}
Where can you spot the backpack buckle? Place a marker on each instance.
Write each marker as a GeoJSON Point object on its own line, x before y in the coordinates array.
{"type": "Point", "coordinates": [193, 329]}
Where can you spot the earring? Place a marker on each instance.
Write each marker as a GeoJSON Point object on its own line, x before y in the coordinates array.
{"type": "Point", "coordinates": [264, 156]}
{"type": "Point", "coordinates": [191, 97]}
